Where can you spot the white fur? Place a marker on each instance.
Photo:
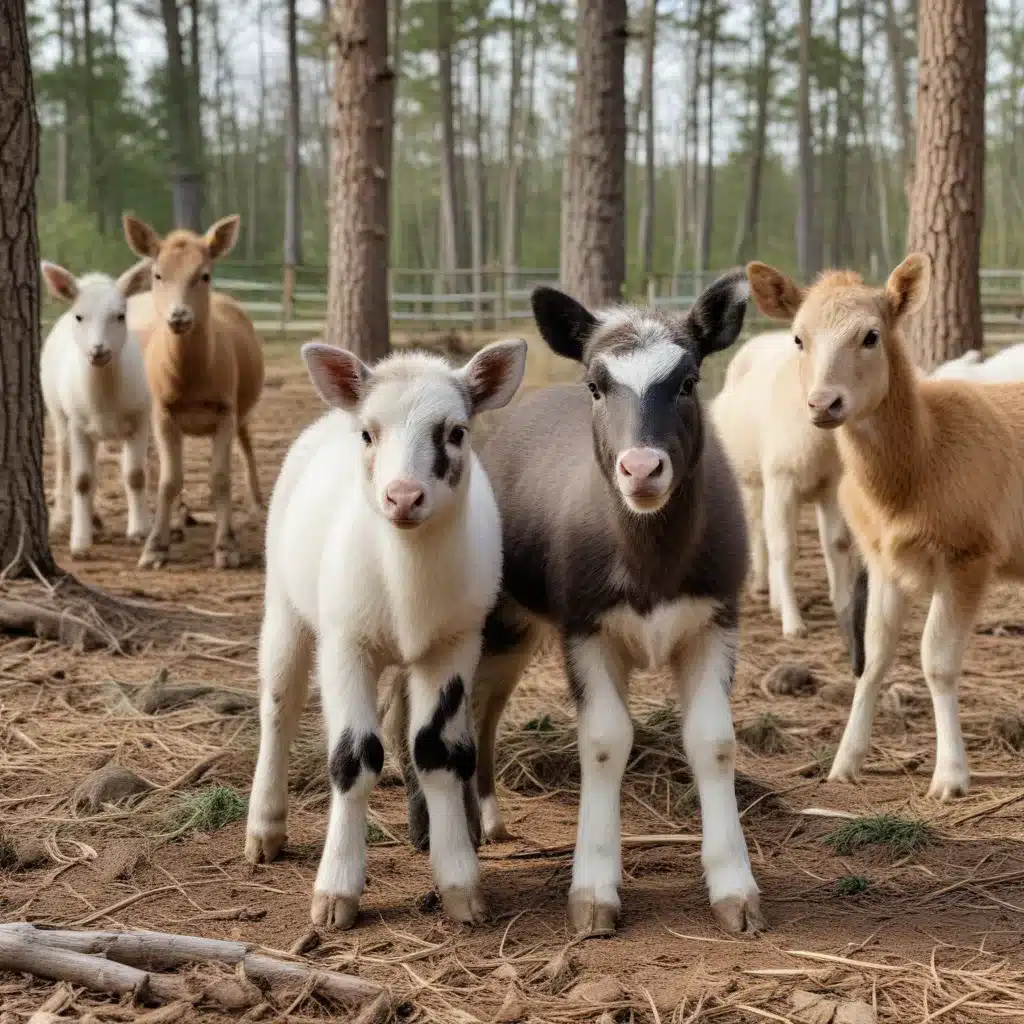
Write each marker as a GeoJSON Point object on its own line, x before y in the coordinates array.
{"type": "Point", "coordinates": [88, 404]}
{"type": "Point", "coordinates": [782, 460]}
{"type": "Point", "coordinates": [373, 595]}
{"type": "Point", "coordinates": [1006, 365]}
{"type": "Point", "coordinates": [643, 366]}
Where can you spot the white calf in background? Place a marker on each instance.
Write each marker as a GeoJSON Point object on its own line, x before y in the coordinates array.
{"type": "Point", "coordinates": [94, 389]}
{"type": "Point", "coordinates": [383, 548]}
{"type": "Point", "coordinates": [1006, 365]}
{"type": "Point", "coordinates": [783, 460]}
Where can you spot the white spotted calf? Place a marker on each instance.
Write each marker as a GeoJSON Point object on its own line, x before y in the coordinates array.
{"type": "Point", "coordinates": [94, 389]}
{"type": "Point", "coordinates": [383, 548]}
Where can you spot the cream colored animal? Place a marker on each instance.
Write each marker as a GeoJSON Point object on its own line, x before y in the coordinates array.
{"type": "Point", "coordinates": [204, 365]}
{"type": "Point", "coordinates": [782, 460]}
{"type": "Point", "coordinates": [933, 487]}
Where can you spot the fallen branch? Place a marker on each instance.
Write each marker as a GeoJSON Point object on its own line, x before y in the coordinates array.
{"type": "Point", "coordinates": [166, 950]}
{"type": "Point", "coordinates": [23, 619]}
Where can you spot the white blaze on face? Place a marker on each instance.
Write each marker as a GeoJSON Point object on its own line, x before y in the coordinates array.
{"type": "Point", "coordinates": [98, 317]}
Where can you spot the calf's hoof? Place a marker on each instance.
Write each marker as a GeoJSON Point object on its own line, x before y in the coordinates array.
{"type": "Point", "coordinates": [795, 630]}
{"type": "Point", "coordinates": [153, 558]}
{"type": "Point", "coordinates": [262, 849]}
{"type": "Point", "coordinates": [226, 558]}
{"type": "Point", "coordinates": [739, 914]}
{"type": "Point", "coordinates": [949, 785]}
{"type": "Point", "coordinates": [334, 910]}
{"type": "Point", "coordinates": [590, 916]}
{"type": "Point", "coordinates": [81, 552]}
{"type": "Point", "coordinates": [464, 904]}
{"type": "Point", "coordinates": [844, 770]}
{"type": "Point", "coordinates": [137, 536]}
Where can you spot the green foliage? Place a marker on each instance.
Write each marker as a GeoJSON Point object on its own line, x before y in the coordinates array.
{"type": "Point", "coordinates": [850, 885]}
{"type": "Point", "coordinates": [374, 833]}
{"type": "Point", "coordinates": [902, 836]}
{"type": "Point", "coordinates": [67, 235]}
{"type": "Point", "coordinates": [212, 809]}
{"type": "Point", "coordinates": [542, 724]}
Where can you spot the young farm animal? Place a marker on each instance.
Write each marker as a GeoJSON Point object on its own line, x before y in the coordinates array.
{"type": "Point", "coordinates": [383, 548]}
{"type": "Point", "coordinates": [933, 488]}
{"type": "Point", "coordinates": [623, 528]}
{"type": "Point", "coordinates": [783, 460]}
{"type": "Point", "coordinates": [205, 370]}
{"type": "Point", "coordinates": [94, 389]}
{"type": "Point", "coordinates": [1005, 365]}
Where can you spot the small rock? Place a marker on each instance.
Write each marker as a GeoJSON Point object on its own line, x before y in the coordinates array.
{"type": "Point", "coordinates": [120, 858]}
{"type": "Point", "coordinates": [29, 853]}
{"type": "Point", "coordinates": [606, 1018]}
{"type": "Point", "coordinates": [109, 785]}
{"type": "Point", "coordinates": [812, 1007]}
{"type": "Point", "coordinates": [511, 1009]}
{"type": "Point", "coordinates": [232, 994]}
{"type": "Point", "coordinates": [605, 989]}
{"type": "Point", "coordinates": [790, 679]}
{"type": "Point", "coordinates": [44, 1017]}
{"type": "Point", "coordinates": [164, 1014]}
{"type": "Point", "coordinates": [856, 1012]}
{"type": "Point", "coordinates": [506, 972]}
{"type": "Point", "coordinates": [377, 1012]}
{"type": "Point", "coordinates": [836, 693]}
{"type": "Point", "coordinates": [259, 1012]}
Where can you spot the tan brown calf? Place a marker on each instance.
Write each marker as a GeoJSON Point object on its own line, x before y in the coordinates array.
{"type": "Point", "coordinates": [933, 487]}
{"type": "Point", "coordinates": [204, 365]}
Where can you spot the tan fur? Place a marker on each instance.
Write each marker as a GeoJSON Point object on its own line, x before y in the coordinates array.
{"type": "Point", "coordinates": [205, 379]}
{"type": "Point", "coordinates": [933, 487]}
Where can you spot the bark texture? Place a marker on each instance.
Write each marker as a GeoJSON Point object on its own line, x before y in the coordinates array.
{"type": "Point", "coordinates": [357, 301]}
{"type": "Point", "coordinates": [23, 520]}
{"type": "Point", "coordinates": [292, 224]}
{"type": "Point", "coordinates": [593, 223]}
{"type": "Point", "coordinates": [806, 250]}
{"type": "Point", "coordinates": [947, 208]}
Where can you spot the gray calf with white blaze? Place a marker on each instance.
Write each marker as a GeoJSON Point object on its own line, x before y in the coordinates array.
{"type": "Point", "coordinates": [623, 528]}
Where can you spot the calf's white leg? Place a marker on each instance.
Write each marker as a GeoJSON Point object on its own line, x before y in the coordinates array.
{"type": "Point", "coordinates": [780, 519]}
{"type": "Point", "coordinates": [705, 677]}
{"type": "Point", "coordinates": [285, 661]}
{"type": "Point", "coordinates": [83, 477]}
{"type": "Point", "coordinates": [883, 621]}
{"type": "Point", "coordinates": [837, 547]}
{"type": "Point", "coordinates": [348, 681]}
{"type": "Point", "coordinates": [943, 643]}
{"type": "Point", "coordinates": [444, 757]}
{"type": "Point", "coordinates": [753, 502]}
{"type": "Point", "coordinates": [133, 473]}
{"type": "Point", "coordinates": [598, 680]}
{"type": "Point", "coordinates": [62, 490]}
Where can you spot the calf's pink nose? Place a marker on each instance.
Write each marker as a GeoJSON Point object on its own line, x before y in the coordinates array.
{"type": "Point", "coordinates": [640, 463]}
{"type": "Point", "coordinates": [401, 497]}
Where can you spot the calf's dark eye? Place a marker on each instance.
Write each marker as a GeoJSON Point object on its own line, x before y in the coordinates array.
{"type": "Point", "coordinates": [870, 339]}
{"type": "Point", "coordinates": [799, 344]}
{"type": "Point", "coordinates": [78, 317]}
{"type": "Point", "coordinates": [456, 436]}
{"type": "Point", "coordinates": [595, 391]}
{"type": "Point", "coordinates": [367, 438]}
{"type": "Point", "coordinates": [687, 386]}
{"type": "Point", "coordinates": [206, 278]}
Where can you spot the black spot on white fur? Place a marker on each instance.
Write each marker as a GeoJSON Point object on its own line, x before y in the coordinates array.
{"type": "Point", "coordinates": [431, 751]}
{"type": "Point", "coordinates": [351, 755]}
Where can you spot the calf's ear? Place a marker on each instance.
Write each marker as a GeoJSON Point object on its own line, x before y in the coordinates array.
{"type": "Point", "coordinates": [563, 323]}
{"type": "Point", "coordinates": [492, 376]}
{"type": "Point", "coordinates": [60, 283]}
{"type": "Point", "coordinates": [340, 378]}
{"type": "Point", "coordinates": [716, 318]}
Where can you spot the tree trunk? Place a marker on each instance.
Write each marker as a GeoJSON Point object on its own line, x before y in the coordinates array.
{"type": "Point", "coordinates": [707, 217]}
{"type": "Point", "coordinates": [746, 239]}
{"type": "Point", "coordinates": [646, 240]}
{"type": "Point", "coordinates": [947, 209]}
{"type": "Point", "coordinates": [364, 88]}
{"type": "Point", "coordinates": [252, 229]}
{"type": "Point", "coordinates": [478, 185]}
{"type": "Point", "coordinates": [901, 100]}
{"type": "Point", "coordinates": [186, 184]}
{"type": "Point", "coordinates": [593, 253]}
{"type": "Point", "coordinates": [293, 128]}
{"type": "Point", "coordinates": [64, 127]}
{"type": "Point", "coordinates": [806, 256]}
{"type": "Point", "coordinates": [24, 544]}
{"type": "Point", "coordinates": [195, 91]}
{"type": "Point", "coordinates": [95, 197]}
{"type": "Point", "coordinates": [449, 241]}
{"type": "Point", "coordinates": [840, 224]}
{"type": "Point", "coordinates": [513, 131]}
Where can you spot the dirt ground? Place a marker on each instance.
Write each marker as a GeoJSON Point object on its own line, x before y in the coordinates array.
{"type": "Point", "coordinates": [935, 931]}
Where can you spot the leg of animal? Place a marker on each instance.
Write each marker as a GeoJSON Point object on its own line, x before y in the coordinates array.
{"type": "Point", "coordinates": [705, 677]}
{"type": "Point", "coordinates": [83, 478]}
{"type": "Point", "coordinates": [285, 660]}
{"type": "Point", "coordinates": [781, 507]}
{"type": "Point", "coordinates": [444, 755]}
{"type": "Point", "coordinates": [883, 621]}
{"type": "Point", "coordinates": [133, 473]}
{"type": "Point", "coordinates": [172, 476]}
{"type": "Point", "coordinates": [946, 633]}
{"type": "Point", "coordinates": [753, 502]}
{"type": "Point", "coordinates": [348, 680]}
{"type": "Point", "coordinates": [837, 546]}
{"type": "Point", "coordinates": [225, 545]}
{"type": "Point", "coordinates": [252, 477]}
{"type": "Point", "coordinates": [598, 679]}
{"type": "Point", "coordinates": [62, 491]}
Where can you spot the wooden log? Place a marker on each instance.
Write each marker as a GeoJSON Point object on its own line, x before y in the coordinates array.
{"type": "Point", "coordinates": [164, 950]}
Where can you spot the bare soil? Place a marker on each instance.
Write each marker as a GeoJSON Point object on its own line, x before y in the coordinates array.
{"type": "Point", "coordinates": [934, 934]}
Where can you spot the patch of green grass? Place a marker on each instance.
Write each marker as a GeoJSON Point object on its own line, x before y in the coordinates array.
{"type": "Point", "coordinates": [851, 885]}
{"type": "Point", "coordinates": [542, 724]}
{"type": "Point", "coordinates": [212, 809]}
{"type": "Point", "coordinates": [901, 835]}
{"type": "Point", "coordinates": [8, 854]}
{"type": "Point", "coordinates": [374, 833]}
